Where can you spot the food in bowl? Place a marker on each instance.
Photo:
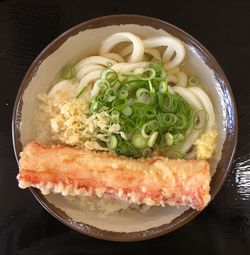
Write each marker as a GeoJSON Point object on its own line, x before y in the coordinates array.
{"type": "Point", "coordinates": [48, 103]}
{"type": "Point", "coordinates": [134, 102]}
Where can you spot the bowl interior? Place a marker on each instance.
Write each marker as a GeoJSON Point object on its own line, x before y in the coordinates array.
{"type": "Point", "coordinates": [201, 60]}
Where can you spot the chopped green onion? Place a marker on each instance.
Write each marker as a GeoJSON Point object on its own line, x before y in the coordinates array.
{"type": "Point", "coordinates": [109, 76]}
{"type": "Point", "coordinates": [109, 64]}
{"type": "Point", "coordinates": [103, 86]}
{"type": "Point", "coordinates": [173, 153]}
{"type": "Point", "coordinates": [152, 139]}
{"type": "Point", "coordinates": [163, 87]}
{"type": "Point", "coordinates": [115, 116]}
{"type": "Point", "coordinates": [157, 67]}
{"type": "Point", "coordinates": [68, 72]}
{"type": "Point", "coordinates": [139, 141]}
{"type": "Point", "coordinates": [193, 81]}
{"type": "Point", "coordinates": [153, 125]}
{"type": "Point", "coordinates": [147, 152]}
{"type": "Point", "coordinates": [80, 93]}
{"type": "Point", "coordinates": [138, 109]}
{"type": "Point", "coordinates": [93, 106]}
{"type": "Point", "coordinates": [127, 125]}
{"type": "Point", "coordinates": [167, 102]}
{"type": "Point", "coordinates": [123, 135]}
{"type": "Point", "coordinates": [109, 95]}
{"type": "Point", "coordinates": [148, 74]}
{"type": "Point", "coordinates": [151, 88]}
{"type": "Point", "coordinates": [123, 93]}
{"type": "Point", "coordinates": [163, 74]}
{"type": "Point", "coordinates": [169, 139]}
{"type": "Point", "coordinates": [112, 142]}
{"type": "Point", "coordinates": [150, 113]}
{"type": "Point", "coordinates": [178, 139]}
{"type": "Point", "coordinates": [160, 120]}
{"type": "Point", "coordinates": [143, 95]}
{"type": "Point", "coordinates": [169, 119]}
{"type": "Point", "coordinates": [127, 111]}
{"type": "Point", "coordinates": [120, 104]}
{"type": "Point", "coordinates": [144, 131]}
{"type": "Point", "coordinates": [181, 121]}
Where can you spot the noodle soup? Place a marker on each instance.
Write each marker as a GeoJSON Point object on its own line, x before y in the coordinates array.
{"type": "Point", "coordinates": [67, 104]}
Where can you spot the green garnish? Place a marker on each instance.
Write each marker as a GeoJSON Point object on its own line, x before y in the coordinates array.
{"type": "Point", "coordinates": [112, 142]}
{"type": "Point", "coordinates": [68, 72]}
{"type": "Point", "coordinates": [193, 81]}
{"type": "Point", "coordinates": [149, 116]}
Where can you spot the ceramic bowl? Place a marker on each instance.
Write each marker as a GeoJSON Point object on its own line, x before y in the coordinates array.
{"type": "Point", "coordinates": [214, 76]}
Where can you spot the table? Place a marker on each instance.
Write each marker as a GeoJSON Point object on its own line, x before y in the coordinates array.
{"type": "Point", "coordinates": [26, 27]}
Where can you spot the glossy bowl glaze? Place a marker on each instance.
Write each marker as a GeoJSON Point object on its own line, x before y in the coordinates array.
{"type": "Point", "coordinates": [229, 115]}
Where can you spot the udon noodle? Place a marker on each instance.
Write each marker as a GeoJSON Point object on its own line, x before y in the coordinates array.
{"type": "Point", "coordinates": [125, 53]}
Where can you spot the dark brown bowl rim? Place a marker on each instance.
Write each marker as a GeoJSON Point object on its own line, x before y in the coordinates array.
{"type": "Point", "coordinates": [56, 43]}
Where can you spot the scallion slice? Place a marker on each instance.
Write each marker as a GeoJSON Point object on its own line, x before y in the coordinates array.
{"type": "Point", "coordinates": [115, 116]}
{"type": "Point", "coordinates": [112, 142]}
{"type": "Point", "coordinates": [178, 139]}
{"type": "Point", "coordinates": [127, 111]}
{"type": "Point", "coordinates": [151, 88]}
{"type": "Point", "coordinates": [169, 139]}
{"type": "Point", "coordinates": [143, 95]}
{"type": "Point", "coordinates": [153, 125]}
{"type": "Point", "coordinates": [139, 141]}
{"type": "Point", "coordinates": [120, 104]}
{"type": "Point", "coordinates": [109, 95]}
{"type": "Point", "coordinates": [123, 93]}
{"type": "Point", "coordinates": [148, 74]}
{"type": "Point", "coordinates": [193, 81]}
{"type": "Point", "coordinates": [163, 87]}
{"type": "Point", "coordinates": [145, 131]}
{"type": "Point", "coordinates": [110, 76]}
{"type": "Point", "coordinates": [152, 139]}
{"type": "Point", "coordinates": [68, 72]}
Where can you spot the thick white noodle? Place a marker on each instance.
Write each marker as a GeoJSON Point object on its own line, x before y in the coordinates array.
{"type": "Point", "coordinates": [138, 70]}
{"type": "Point", "coordinates": [174, 46]}
{"type": "Point", "coordinates": [61, 85]}
{"type": "Point", "coordinates": [170, 90]}
{"type": "Point", "coordinates": [115, 57]}
{"type": "Point", "coordinates": [207, 105]}
{"type": "Point", "coordinates": [189, 97]}
{"type": "Point", "coordinates": [87, 69]}
{"type": "Point", "coordinates": [138, 48]}
{"type": "Point", "coordinates": [173, 70]}
{"type": "Point", "coordinates": [179, 79]}
{"type": "Point", "coordinates": [126, 51]}
{"type": "Point", "coordinates": [182, 79]}
{"type": "Point", "coordinates": [195, 103]}
{"type": "Point", "coordinates": [99, 60]}
{"type": "Point", "coordinates": [192, 135]}
{"type": "Point", "coordinates": [129, 67]}
{"type": "Point", "coordinates": [173, 55]}
{"type": "Point", "coordinates": [96, 88]}
{"type": "Point", "coordinates": [172, 78]}
{"type": "Point", "coordinates": [168, 53]}
{"type": "Point", "coordinates": [92, 76]}
{"type": "Point", "coordinates": [154, 53]}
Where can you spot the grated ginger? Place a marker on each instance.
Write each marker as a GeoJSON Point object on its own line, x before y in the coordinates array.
{"type": "Point", "coordinates": [205, 144]}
